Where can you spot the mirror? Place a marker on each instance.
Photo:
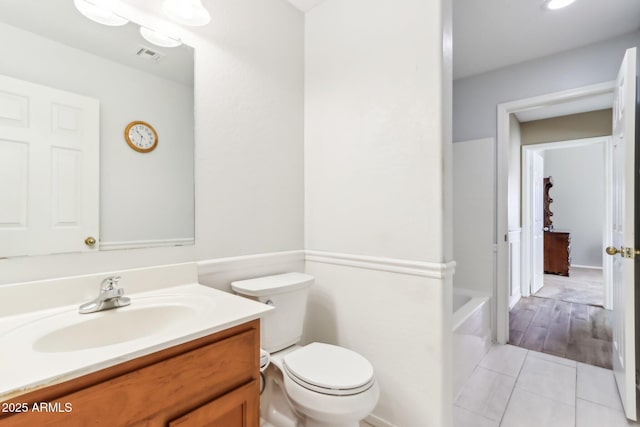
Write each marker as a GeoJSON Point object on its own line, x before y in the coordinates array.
{"type": "Point", "coordinates": [140, 199]}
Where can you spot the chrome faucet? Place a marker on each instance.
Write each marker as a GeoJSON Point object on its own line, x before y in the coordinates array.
{"type": "Point", "coordinates": [110, 297]}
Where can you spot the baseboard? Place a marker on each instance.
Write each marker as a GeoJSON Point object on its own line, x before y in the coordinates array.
{"type": "Point", "coordinates": [378, 422]}
{"type": "Point", "coordinates": [393, 265]}
{"type": "Point", "coordinates": [513, 300]}
{"type": "Point", "coordinates": [586, 267]}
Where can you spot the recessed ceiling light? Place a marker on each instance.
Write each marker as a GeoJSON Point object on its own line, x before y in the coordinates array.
{"type": "Point", "coordinates": [186, 12]}
{"type": "Point", "coordinates": [93, 10]}
{"type": "Point", "coordinates": [158, 38]}
{"type": "Point", "coordinates": [557, 4]}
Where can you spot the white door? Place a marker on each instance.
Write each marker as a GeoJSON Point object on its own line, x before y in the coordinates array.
{"type": "Point", "coordinates": [537, 233]}
{"type": "Point", "coordinates": [49, 169]}
{"type": "Point", "coordinates": [623, 234]}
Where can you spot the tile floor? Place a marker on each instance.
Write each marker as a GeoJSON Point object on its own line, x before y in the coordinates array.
{"type": "Point", "coordinates": [516, 387]}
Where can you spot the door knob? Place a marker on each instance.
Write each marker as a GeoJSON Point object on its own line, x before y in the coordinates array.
{"type": "Point", "coordinates": [90, 241]}
{"type": "Point", "coordinates": [612, 251]}
{"type": "Point", "coordinates": [625, 252]}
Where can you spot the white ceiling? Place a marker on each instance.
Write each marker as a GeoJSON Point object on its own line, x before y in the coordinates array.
{"type": "Point", "coordinates": [491, 34]}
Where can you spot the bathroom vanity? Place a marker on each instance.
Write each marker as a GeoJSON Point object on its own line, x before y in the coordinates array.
{"type": "Point", "coordinates": [210, 381]}
{"type": "Point", "coordinates": [184, 355]}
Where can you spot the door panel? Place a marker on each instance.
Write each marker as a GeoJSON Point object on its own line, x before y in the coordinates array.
{"type": "Point", "coordinates": [538, 222]}
{"type": "Point", "coordinates": [49, 169]}
{"type": "Point", "coordinates": [623, 233]}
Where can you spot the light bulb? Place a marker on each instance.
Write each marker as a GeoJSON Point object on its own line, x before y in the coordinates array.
{"type": "Point", "coordinates": [557, 4]}
{"type": "Point", "coordinates": [98, 13]}
{"type": "Point", "coordinates": [158, 38]}
{"type": "Point", "coordinates": [186, 12]}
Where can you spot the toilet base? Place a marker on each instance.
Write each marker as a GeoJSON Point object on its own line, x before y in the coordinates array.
{"type": "Point", "coordinates": [312, 423]}
{"type": "Point", "coordinates": [276, 409]}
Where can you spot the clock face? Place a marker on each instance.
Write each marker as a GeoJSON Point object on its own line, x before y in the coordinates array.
{"type": "Point", "coordinates": [141, 136]}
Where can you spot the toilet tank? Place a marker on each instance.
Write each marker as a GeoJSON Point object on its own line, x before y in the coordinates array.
{"type": "Point", "coordinates": [282, 327]}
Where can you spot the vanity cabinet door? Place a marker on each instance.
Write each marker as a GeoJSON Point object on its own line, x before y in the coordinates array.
{"type": "Point", "coordinates": [214, 382]}
{"type": "Point", "coordinates": [238, 408]}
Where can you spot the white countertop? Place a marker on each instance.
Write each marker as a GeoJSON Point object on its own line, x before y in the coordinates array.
{"type": "Point", "coordinates": [24, 366]}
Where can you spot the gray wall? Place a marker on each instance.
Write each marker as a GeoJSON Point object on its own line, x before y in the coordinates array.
{"type": "Point", "coordinates": [475, 98]}
{"type": "Point", "coordinates": [578, 199]}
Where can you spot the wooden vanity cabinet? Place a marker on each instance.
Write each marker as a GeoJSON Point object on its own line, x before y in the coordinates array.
{"type": "Point", "coordinates": [212, 381]}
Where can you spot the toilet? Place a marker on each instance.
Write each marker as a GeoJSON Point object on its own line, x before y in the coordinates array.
{"type": "Point", "coordinates": [316, 385]}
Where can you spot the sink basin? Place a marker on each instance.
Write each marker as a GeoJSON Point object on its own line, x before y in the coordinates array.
{"type": "Point", "coordinates": [57, 343]}
{"type": "Point", "coordinates": [114, 327]}
{"type": "Point", "coordinates": [147, 317]}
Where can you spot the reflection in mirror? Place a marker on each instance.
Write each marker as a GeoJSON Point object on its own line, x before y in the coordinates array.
{"type": "Point", "coordinates": [69, 87]}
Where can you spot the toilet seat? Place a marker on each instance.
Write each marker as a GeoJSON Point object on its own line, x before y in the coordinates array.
{"type": "Point", "coordinates": [329, 369]}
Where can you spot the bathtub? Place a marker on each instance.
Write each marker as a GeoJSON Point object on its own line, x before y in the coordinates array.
{"type": "Point", "coordinates": [471, 333]}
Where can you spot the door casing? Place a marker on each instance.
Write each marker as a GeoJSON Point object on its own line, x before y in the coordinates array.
{"type": "Point", "coordinates": [504, 110]}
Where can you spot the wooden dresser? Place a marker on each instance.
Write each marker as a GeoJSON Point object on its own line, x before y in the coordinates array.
{"type": "Point", "coordinates": [557, 244]}
{"type": "Point", "coordinates": [557, 252]}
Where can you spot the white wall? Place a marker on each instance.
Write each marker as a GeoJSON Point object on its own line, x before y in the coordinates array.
{"type": "Point", "coordinates": [249, 164]}
{"type": "Point", "coordinates": [396, 321]}
{"type": "Point", "coordinates": [157, 187]}
{"type": "Point", "coordinates": [578, 199]}
{"type": "Point", "coordinates": [376, 156]}
{"type": "Point", "coordinates": [367, 137]}
{"type": "Point", "coordinates": [474, 214]}
{"type": "Point", "coordinates": [249, 119]}
{"type": "Point", "coordinates": [475, 98]}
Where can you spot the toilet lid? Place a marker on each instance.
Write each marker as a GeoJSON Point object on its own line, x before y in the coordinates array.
{"type": "Point", "coordinates": [329, 369]}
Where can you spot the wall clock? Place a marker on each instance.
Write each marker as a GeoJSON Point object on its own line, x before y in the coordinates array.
{"type": "Point", "coordinates": [141, 136]}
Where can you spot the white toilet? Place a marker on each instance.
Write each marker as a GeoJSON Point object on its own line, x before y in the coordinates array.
{"type": "Point", "coordinates": [317, 385]}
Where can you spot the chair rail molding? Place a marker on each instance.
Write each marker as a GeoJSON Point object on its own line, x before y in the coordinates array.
{"type": "Point", "coordinates": [434, 270]}
{"type": "Point", "coordinates": [218, 265]}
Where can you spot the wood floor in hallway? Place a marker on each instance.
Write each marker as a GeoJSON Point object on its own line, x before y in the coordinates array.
{"type": "Point", "coordinates": [574, 331]}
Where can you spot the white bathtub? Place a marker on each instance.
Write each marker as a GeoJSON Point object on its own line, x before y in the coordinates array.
{"type": "Point", "coordinates": [471, 333]}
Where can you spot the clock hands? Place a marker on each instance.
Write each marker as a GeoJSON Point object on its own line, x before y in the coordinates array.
{"type": "Point", "coordinates": [142, 137]}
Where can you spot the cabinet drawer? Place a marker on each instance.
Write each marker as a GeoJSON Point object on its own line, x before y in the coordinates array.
{"type": "Point", "coordinates": [238, 408]}
{"type": "Point", "coordinates": [160, 391]}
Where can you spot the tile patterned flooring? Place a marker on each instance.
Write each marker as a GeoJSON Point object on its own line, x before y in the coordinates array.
{"type": "Point", "coordinates": [516, 387]}
{"type": "Point", "coordinates": [575, 331]}
{"type": "Point", "coordinates": [565, 318]}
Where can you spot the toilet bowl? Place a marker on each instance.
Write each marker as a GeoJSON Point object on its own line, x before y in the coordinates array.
{"type": "Point", "coordinates": [317, 385]}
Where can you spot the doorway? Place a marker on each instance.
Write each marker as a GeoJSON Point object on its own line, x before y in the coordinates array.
{"type": "Point", "coordinates": [509, 285]}
{"type": "Point", "coordinates": [581, 197]}
{"type": "Point", "coordinates": [562, 308]}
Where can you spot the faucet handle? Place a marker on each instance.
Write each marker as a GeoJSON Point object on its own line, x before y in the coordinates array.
{"type": "Point", "coordinates": [110, 283]}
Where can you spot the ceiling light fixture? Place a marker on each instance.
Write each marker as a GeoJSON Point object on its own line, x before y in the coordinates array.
{"type": "Point", "coordinates": [186, 12]}
{"type": "Point", "coordinates": [159, 39]}
{"type": "Point", "coordinates": [95, 10]}
{"type": "Point", "coordinates": [557, 4]}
